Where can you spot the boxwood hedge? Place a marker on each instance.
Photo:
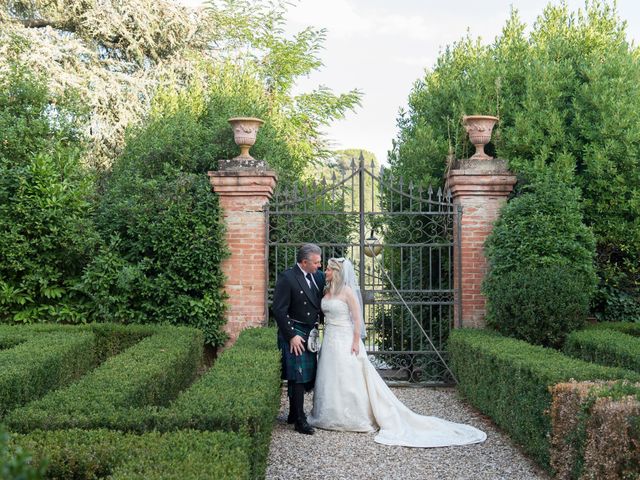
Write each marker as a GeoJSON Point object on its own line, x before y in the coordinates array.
{"type": "Point", "coordinates": [509, 380]}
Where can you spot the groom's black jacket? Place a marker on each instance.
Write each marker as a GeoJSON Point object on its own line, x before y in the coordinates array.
{"type": "Point", "coordinates": [293, 300]}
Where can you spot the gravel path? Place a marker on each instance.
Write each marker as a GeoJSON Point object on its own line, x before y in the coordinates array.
{"type": "Point", "coordinates": [341, 455]}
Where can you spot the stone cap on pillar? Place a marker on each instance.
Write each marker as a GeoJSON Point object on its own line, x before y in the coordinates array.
{"type": "Point", "coordinates": [242, 164]}
{"type": "Point", "coordinates": [243, 183]}
{"type": "Point", "coordinates": [489, 177]}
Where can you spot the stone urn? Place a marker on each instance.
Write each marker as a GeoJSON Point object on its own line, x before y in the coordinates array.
{"type": "Point", "coordinates": [479, 128]}
{"type": "Point", "coordinates": [245, 130]}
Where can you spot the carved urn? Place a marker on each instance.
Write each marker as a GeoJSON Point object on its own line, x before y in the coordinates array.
{"type": "Point", "coordinates": [245, 130]}
{"type": "Point", "coordinates": [479, 128]}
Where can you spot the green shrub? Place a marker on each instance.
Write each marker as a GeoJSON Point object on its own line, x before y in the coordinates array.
{"type": "Point", "coordinates": [162, 259]}
{"type": "Point", "coordinates": [15, 463]}
{"type": "Point", "coordinates": [567, 91]}
{"type": "Point", "coordinates": [540, 305]}
{"type": "Point", "coordinates": [45, 210]}
{"type": "Point", "coordinates": [40, 363]}
{"type": "Point", "coordinates": [112, 339]}
{"type": "Point", "coordinates": [240, 393]}
{"type": "Point", "coordinates": [152, 372]}
{"type": "Point", "coordinates": [605, 347]}
{"type": "Point", "coordinates": [624, 327]}
{"type": "Point", "coordinates": [617, 305]}
{"type": "Point", "coordinates": [509, 381]}
{"type": "Point", "coordinates": [541, 273]}
{"type": "Point", "coordinates": [90, 454]}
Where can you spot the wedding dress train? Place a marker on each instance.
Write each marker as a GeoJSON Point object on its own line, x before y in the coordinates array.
{"type": "Point", "coordinates": [351, 396]}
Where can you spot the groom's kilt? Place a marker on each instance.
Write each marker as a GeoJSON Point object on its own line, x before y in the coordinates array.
{"type": "Point", "coordinates": [298, 368]}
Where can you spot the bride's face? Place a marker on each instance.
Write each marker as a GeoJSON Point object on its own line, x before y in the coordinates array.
{"type": "Point", "coordinates": [328, 274]}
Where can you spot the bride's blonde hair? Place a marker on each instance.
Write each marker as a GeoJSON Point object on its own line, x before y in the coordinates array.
{"type": "Point", "coordinates": [334, 287]}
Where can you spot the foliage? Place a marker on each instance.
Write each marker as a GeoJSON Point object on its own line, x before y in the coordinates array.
{"type": "Point", "coordinates": [568, 98]}
{"type": "Point", "coordinates": [40, 363]}
{"type": "Point", "coordinates": [509, 380]}
{"type": "Point", "coordinates": [45, 194]}
{"type": "Point", "coordinates": [616, 305]}
{"type": "Point", "coordinates": [165, 363]}
{"type": "Point", "coordinates": [186, 454]}
{"type": "Point", "coordinates": [118, 65]}
{"type": "Point", "coordinates": [540, 305]}
{"type": "Point", "coordinates": [541, 274]}
{"type": "Point", "coordinates": [595, 430]}
{"type": "Point", "coordinates": [240, 393]}
{"type": "Point", "coordinates": [162, 253]}
{"type": "Point", "coordinates": [624, 327]}
{"type": "Point", "coordinates": [605, 347]}
{"type": "Point", "coordinates": [15, 463]}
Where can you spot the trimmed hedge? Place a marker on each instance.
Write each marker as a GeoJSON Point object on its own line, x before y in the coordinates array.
{"type": "Point", "coordinates": [605, 347]}
{"type": "Point", "coordinates": [629, 328]}
{"type": "Point", "coordinates": [509, 380]}
{"type": "Point", "coordinates": [112, 339]}
{"type": "Point", "coordinates": [36, 364]}
{"type": "Point", "coordinates": [185, 455]}
{"type": "Point", "coordinates": [596, 430]}
{"type": "Point", "coordinates": [152, 372]}
{"type": "Point", "coordinates": [241, 393]}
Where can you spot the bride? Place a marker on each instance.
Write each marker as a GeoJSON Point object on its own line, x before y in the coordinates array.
{"type": "Point", "coordinates": [349, 393]}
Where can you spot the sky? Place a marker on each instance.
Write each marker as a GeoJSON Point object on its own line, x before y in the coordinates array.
{"type": "Point", "coordinates": [382, 47]}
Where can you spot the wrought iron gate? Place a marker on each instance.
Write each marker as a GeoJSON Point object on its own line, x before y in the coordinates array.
{"type": "Point", "coordinates": [401, 241]}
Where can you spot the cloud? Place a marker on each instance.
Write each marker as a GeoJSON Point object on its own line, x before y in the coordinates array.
{"type": "Point", "coordinates": [345, 19]}
{"type": "Point", "coordinates": [340, 17]}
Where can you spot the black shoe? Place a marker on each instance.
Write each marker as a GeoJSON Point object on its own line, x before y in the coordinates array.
{"type": "Point", "coordinates": [304, 427]}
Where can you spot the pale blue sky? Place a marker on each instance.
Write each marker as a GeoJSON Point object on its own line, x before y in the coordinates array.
{"type": "Point", "coordinates": [381, 47]}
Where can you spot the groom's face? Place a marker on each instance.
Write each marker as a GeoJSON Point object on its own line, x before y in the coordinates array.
{"type": "Point", "coordinates": [311, 264]}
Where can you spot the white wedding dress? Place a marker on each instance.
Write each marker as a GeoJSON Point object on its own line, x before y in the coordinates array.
{"type": "Point", "coordinates": [351, 396]}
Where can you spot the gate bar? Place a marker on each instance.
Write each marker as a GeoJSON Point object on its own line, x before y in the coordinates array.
{"type": "Point", "coordinates": [362, 220]}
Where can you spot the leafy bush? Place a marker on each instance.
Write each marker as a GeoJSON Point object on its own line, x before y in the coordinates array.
{"type": "Point", "coordinates": [188, 455]}
{"type": "Point", "coordinates": [162, 262]}
{"type": "Point", "coordinates": [624, 327]}
{"type": "Point", "coordinates": [45, 210]}
{"type": "Point", "coordinates": [240, 393]}
{"type": "Point", "coordinates": [595, 430]}
{"type": "Point", "coordinates": [541, 273]}
{"type": "Point", "coordinates": [605, 347]}
{"type": "Point", "coordinates": [567, 91]}
{"type": "Point", "coordinates": [509, 381]}
{"type": "Point", "coordinates": [539, 305]}
{"type": "Point", "coordinates": [152, 372]}
{"type": "Point", "coordinates": [41, 363]}
{"type": "Point", "coordinates": [616, 305]}
{"type": "Point", "coordinates": [15, 463]}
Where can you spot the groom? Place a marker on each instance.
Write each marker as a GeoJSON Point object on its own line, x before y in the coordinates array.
{"type": "Point", "coordinates": [296, 308]}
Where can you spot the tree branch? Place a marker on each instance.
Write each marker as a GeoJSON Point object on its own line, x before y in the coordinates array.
{"type": "Point", "coordinates": [41, 23]}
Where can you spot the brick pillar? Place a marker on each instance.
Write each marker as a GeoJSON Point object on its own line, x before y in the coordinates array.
{"type": "Point", "coordinates": [244, 188]}
{"type": "Point", "coordinates": [481, 187]}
